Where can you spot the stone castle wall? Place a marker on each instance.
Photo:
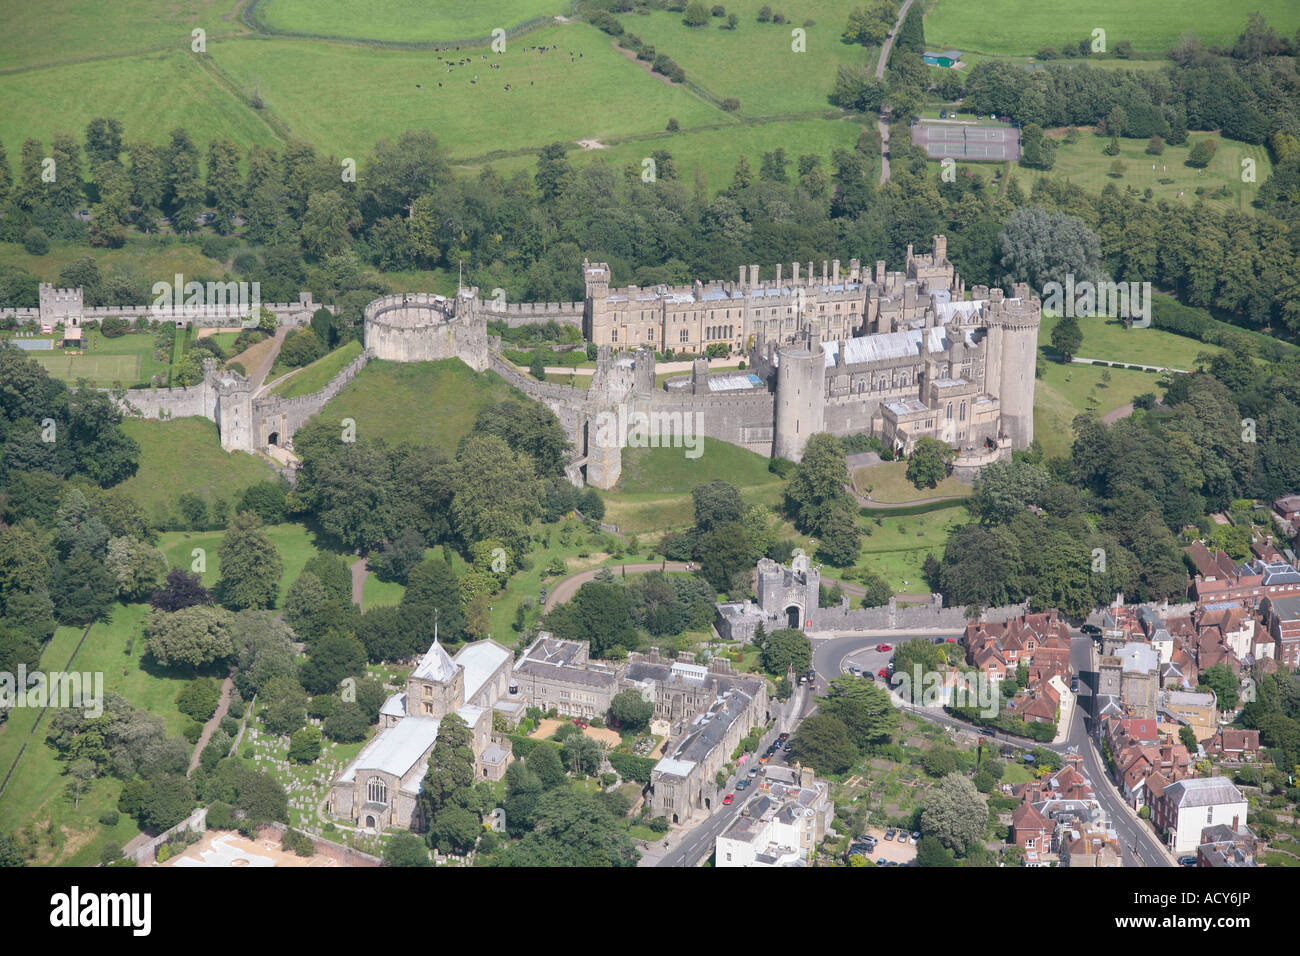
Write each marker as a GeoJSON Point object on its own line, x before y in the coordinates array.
{"type": "Point", "coordinates": [282, 417]}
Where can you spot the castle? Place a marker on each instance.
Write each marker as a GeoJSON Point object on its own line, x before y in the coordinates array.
{"type": "Point", "coordinates": [896, 355]}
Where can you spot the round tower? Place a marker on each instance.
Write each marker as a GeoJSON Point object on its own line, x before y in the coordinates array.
{"type": "Point", "coordinates": [800, 398]}
{"type": "Point", "coordinates": [1017, 323]}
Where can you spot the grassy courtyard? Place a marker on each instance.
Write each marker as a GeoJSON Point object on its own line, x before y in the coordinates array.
{"type": "Point", "coordinates": [887, 482]}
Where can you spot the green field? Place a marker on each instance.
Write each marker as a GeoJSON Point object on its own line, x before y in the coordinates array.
{"type": "Point", "coordinates": [755, 62]}
{"type": "Point", "coordinates": [151, 257]}
{"type": "Point", "coordinates": [1107, 339]}
{"type": "Point", "coordinates": [887, 482]}
{"type": "Point", "coordinates": [398, 90]}
{"type": "Point", "coordinates": [1084, 164]}
{"type": "Point", "coordinates": [654, 490]}
{"type": "Point", "coordinates": [295, 543]}
{"type": "Point", "coordinates": [424, 403]}
{"type": "Point", "coordinates": [36, 791]}
{"type": "Point", "coordinates": [314, 377]}
{"type": "Point", "coordinates": [1014, 27]}
{"type": "Point", "coordinates": [61, 29]}
{"type": "Point", "coordinates": [1064, 391]}
{"type": "Point", "coordinates": [151, 94]}
{"type": "Point", "coordinates": [98, 369]}
{"type": "Point", "coordinates": [406, 21]}
{"type": "Point", "coordinates": [185, 454]}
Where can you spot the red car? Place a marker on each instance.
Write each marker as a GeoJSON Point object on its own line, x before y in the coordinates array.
{"type": "Point", "coordinates": [883, 673]}
{"type": "Point", "coordinates": [884, 647]}
{"type": "Point", "coordinates": [578, 721]}
{"type": "Point", "coordinates": [726, 801]}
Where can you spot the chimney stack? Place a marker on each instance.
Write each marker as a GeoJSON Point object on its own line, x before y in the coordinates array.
{"type": "Point", "coordinates": [835, 271]}
{"type": "Point", "coordinates": [778, 275]}
{"type": "Point", "coordinates": [753, 275]}
{"type": "Point", "coordinates": [742, 275]}
{"type": "Point", "coordinates": [794, 276]}
{"type": "Point", "coordinates": [880, 272]}
{"type": "Point", "coordinates": [824, 271]}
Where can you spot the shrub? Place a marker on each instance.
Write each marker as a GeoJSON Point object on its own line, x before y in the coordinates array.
{"type": "Point", "coordinates": [731, 104]}
{"type": "Point", "coordinates": [221, 816]}
{"type": "Point", "coordinates": [659, 824]}
{"type": "Point", "coordinates": [109, 818]}
{"type": "Point", "coordinates": [36, 242]}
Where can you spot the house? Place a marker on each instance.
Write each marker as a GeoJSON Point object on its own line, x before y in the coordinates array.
{"type": "Point", "coordinates": [779, 826]}
{"type": "Point", "coordinates": [1234, 746]}
{"type": "Point", "coordinates": [1089, 845]}
{"type": "Point", "coordinates": [1224, 846]}
{"type": "Point", "coordinates": [1032, 832]}
{"type": "Point", "coordinates": [1187, 807]}
{"type": "Point", "coordinates": [1196, 709]}
{"type": "Point", "coordinates": [1282, 619]}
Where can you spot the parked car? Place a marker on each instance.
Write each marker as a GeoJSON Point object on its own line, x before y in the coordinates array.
{"type": "Point", "coordinates": [1092, 629]}
{"type": "Point", "coordinates": [1074, 685]}
{"type": "Point", "coordinates": [1187, 861]}
{"type": "Point", "coordinates": [742, 783]}
{"type": "Point", "coordinates": [855, 671]}
{"type": "Point", "coordinates": [889, 834]}
{"type": "Point", "coordinates": [916, 835]}
{"type": "Point", "coordinates": [728, 799]}
{"type": "Point", "coordinates": [883, 647]}
{"type": "Point", "coordinates": [783, 736]}
{"type": "Point", "coordinates": [580, 722]}
{"type": "Point", "coordinates": [883, 674]}
{"type": "Point", "coordinates": [882, 862]}
{"type": "Point", "coordinates": [753, 771]}
{"type": "Point", "coordinates": [765, 758]}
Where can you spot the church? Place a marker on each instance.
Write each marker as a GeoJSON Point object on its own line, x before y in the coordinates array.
{"type": "Point", "coordinates": [379, 789]}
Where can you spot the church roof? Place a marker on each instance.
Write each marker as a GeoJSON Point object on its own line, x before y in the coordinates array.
{"type": "Point", "coordinates": [436, 665]}
{"type": "Point", "coordinates": [480, 660]}
{"type": "Point", "coordinates": [397, 749]}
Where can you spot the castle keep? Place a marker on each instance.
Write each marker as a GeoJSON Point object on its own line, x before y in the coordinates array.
{"type": "Point", "coordinates": [896, 355]}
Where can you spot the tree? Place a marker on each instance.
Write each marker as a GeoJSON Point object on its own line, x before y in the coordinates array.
{"type": "Point", "coordinates": [554, 174]}
{"type": "Point", "coordinates": [304, 745]}
{"type": "Point", "coordinates": [1067, 337]}
{"type": "Point", "coordinates": [716, 503]}
{"type": "Point", "coordinates": [250, 565]}
{"type": "Point", "coordinates": [573, 828]}
{"type": "Point", "coordinates": [450, 776]}
{"type": "Point", "coordinates": [600, 614]}
{"type": "Point", "coordinates": [165, 802]}
{"type": "Point", "coordinates": [286, 704]}
{"type": "Point", "coordinates": [1155, 145]}
{"type": "Point", "coordinates": [955, 813]}
{"type": "Point", "coordinates": [817, 487]}
{"type": "Point", "coordinates": [1005, 488]}
{"type": "Point", "coordinates": [631, 710]}
{"type": "Point", "coordinates": [823, 742]}
{"type": "Point", "coordinates": [582, 755]}
{"type": "Point", "coordinates": [930, 851]}
{"type": "Point", "coordinates": [864, 707]}
{"type": "Point", "coordinates": [1187, 737]}
{"type": "Point", "coordinates": [786, 648]}
{"type": "Point", "coordinates": [347, 724]}
{"type": "Point", "coordinates": [433, 586]}
{"type": "Point", "coordinates": [455, 830]}
{"type": "Point", "coordinates": [193, 637]}
{"type": "Point", "coordinates": [304, 598]}
{"type": "Point", "coordinates": [725, 554]}
{"type": "Point", "coordinates": [1038, 246]}
{"type": "Point", "coordinates": [134, 565]}
{"type": "Point", "coordinates": [1202, 153]}
{"type": "Point", "coordinates": [406, 849]}
{"type": "Point", "coordinates": [544, 762]}
{"type": "Point", "coordinates": [333, 657]}
{"type": "Point", "coordinates": [697, 14]}
{"type": "Point", "coordinates": [929, 462]}
{"type": "Point", "coordinates": [1223, 682]}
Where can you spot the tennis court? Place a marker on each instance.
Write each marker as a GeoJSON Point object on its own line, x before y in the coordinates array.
{"type": "Point", "coordinates": [994, 144]}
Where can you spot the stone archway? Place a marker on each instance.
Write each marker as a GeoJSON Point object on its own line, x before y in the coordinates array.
{"type": "Point", "coordinates": [794, 617]}
{"type": "Point", "coordinates": [273, 439]}
{"type": "Point", "coordinates": [370, 822]}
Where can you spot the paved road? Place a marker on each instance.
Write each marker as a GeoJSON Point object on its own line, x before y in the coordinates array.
{"type": "Point", "coordinates": [568, 587]}
{"type": "Point", "coordinates": [1138, 841]}
{"type": "Point", "coordinates": [881, 125]}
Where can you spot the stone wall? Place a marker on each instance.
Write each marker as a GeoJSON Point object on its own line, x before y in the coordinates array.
{"type": "Point", "coordinates": [515, 314]}
{"type": "Point", "coordinates": [286, 313]}
{"type": "Point", "coordinates": [274, 414]}
{"type": "Point", "coordinates": [343, 855]}
{"type": "Point", "coordinates": [146, 852]}
{"type": "Point", "coordinates": [892, 616]}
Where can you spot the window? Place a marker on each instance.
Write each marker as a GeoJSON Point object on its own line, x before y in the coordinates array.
{"type": "Point", "coordinates": [613, 335]}
{"type": "Point", "coordinates": [685, 336]}
{"type": "Point", "coordinates": [962, 416]}
{"type": "Point", "coordinates": [950, 411]}
{"type": "Point", "coordinates": [377, 790]}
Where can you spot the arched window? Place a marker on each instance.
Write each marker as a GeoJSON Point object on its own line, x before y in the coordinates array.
{"type": "Point", "coordinates": [950, 411]}
{"type": "Point", "coordinates": [962, 413]}
{"type": "Point", "coordinates": [377, 790]}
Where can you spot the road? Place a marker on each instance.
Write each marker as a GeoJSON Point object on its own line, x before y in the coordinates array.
{"type": "Point", "coordinates": [881, 124]}
{"type": "Point", "coordinates": [566, 588]}
{"type": "Point", "coordinates": [698, 843]}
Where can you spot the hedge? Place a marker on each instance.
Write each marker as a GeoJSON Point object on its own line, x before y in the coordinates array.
{"type": "Point", "coordinates": [632, 767]}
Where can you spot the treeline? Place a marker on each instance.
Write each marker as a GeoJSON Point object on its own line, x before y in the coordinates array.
{"type": "Point", "coordinates": [1106, 519]}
